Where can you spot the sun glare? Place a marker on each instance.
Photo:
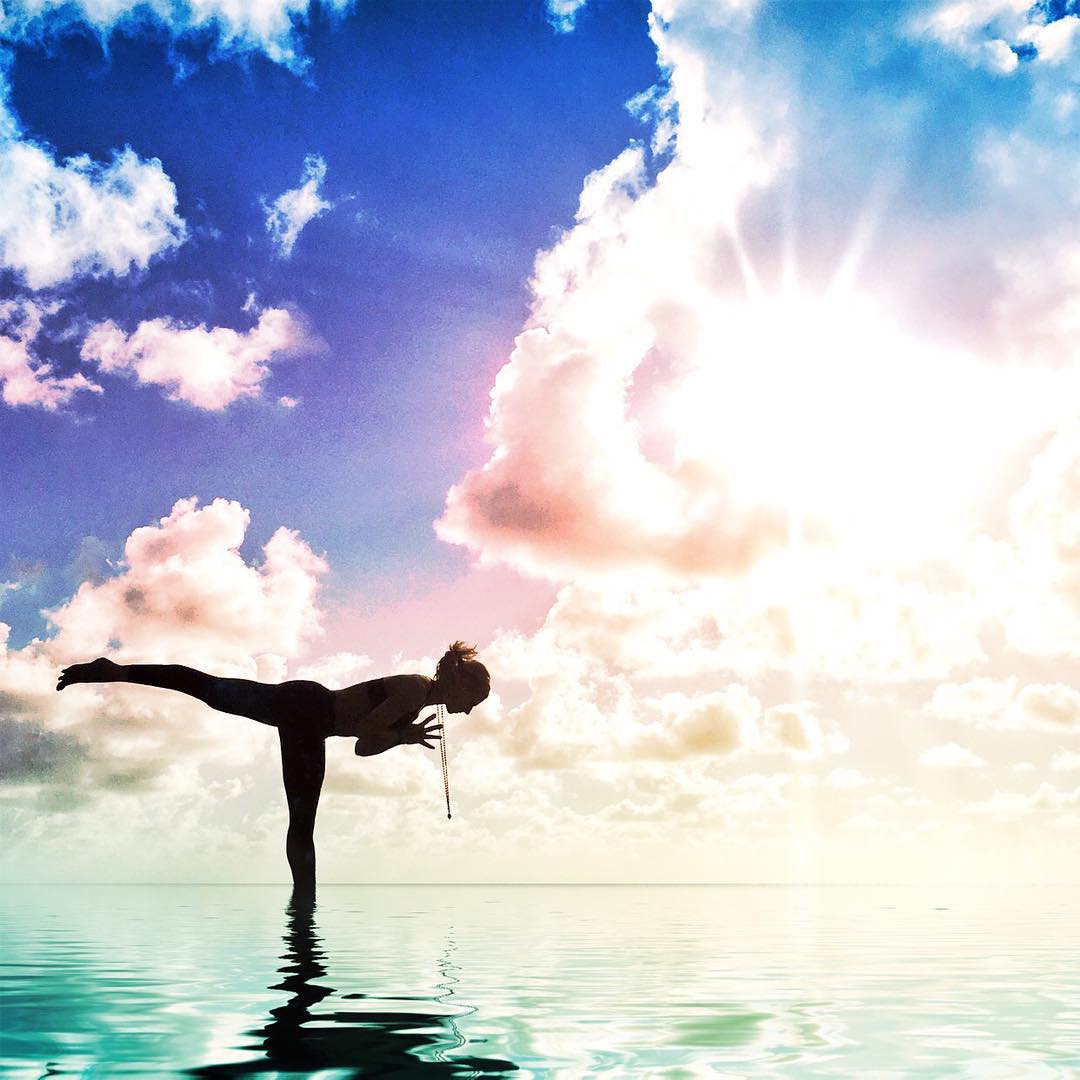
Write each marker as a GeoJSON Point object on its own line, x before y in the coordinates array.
{"type": "Point", "coordinates": [827, 409]}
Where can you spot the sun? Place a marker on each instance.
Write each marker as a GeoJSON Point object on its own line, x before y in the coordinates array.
{"type": "Point", "coordinates": [827, 408]}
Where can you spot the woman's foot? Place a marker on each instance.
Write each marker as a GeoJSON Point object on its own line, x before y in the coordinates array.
{"type": "Point", "coordinates": [100, 670]}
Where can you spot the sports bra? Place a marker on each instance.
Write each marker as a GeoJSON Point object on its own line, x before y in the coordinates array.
{"type": "Point", "coordinates": [376, 692]}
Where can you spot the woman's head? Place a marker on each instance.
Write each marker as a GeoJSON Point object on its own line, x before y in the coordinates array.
{"type": "Point", "coordinates": [464, 681]}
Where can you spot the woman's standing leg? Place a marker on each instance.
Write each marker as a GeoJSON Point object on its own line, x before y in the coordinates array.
{"type": "Point", "coordinates": [303, 765]}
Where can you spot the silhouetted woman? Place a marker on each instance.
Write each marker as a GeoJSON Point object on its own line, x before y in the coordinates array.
{"type": "Point", "coordinates": [379, 714]}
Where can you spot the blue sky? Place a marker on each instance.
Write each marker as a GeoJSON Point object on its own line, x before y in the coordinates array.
{"type": "Point", "coordinates": [712, 365]}
{"type": "Point", "coordinates": [452, 154]}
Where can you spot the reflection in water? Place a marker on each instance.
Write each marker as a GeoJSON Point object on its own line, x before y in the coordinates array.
{"type": "Point", "coordinates": [360, 1043]}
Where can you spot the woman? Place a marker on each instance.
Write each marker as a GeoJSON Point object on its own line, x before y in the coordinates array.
{"type": "Point", "coordinates": [379, 714]}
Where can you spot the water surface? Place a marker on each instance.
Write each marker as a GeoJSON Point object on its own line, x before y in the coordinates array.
{"type": "Point", "coordinates": [671, 981]}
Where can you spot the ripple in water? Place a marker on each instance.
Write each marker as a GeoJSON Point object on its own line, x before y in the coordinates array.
{"type": "Point", "coordinates": [540, 981]}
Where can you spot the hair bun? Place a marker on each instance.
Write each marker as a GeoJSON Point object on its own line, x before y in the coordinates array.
{"type": "Point", "coordinates": [455, 658]}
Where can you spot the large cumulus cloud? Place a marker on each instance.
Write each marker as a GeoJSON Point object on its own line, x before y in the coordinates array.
{"type": "Point", "coordinates": [790, 501]}
{"type": "Point", "coordinates": [570, 483]}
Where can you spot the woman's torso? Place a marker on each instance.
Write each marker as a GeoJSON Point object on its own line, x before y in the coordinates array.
{"type": "Point", "coordinates": [353, 705]}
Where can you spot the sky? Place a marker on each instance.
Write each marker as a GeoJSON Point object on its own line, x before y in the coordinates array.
{"type": "Point", "coordinates": [711, 364]}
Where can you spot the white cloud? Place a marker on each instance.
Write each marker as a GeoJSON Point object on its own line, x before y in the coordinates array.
{"type": "Point", "coordinates": [25, 379]}
{"type": "Point", "coordinates": [1045, 518]}
{"type": "Point", "coordinates": [996, 704]}
{"type": "Point", "coordinates": [990, 33]}
{"type": "Point", "coordinates": [267, 26]}
{"type": "Point", "coordinates": [1055, 42]}
{"type": "Point", "coordinates": [669, 414]}
{"type": "Point", "coordinates": [209, 368]}
{"type": "Point", "coordinates": [951, 756]}
{"type": "Point", "coordinates": [293, 209]}
{"type": "Point", "coordinates": [1012, 805]}
{"type": "Point", "coordinates": [562, 14]}
{"type": "Point", "coordinates": [799, 615]}
{"type": "Point", "coordinates": [79, 218]}
{"type": "Point", "coordinates": [797, 729]}
{"type": "Point", "coordinates": [717, 724]}
{"type": "Point", "coordinates": [1065, 761]}
{"type": "Point", "coordinates": [845, 779]}
{"type": "Point", "coordinates": [1052, 707]}
{"type": "Point", "coordinates": [982, 701]}
{"type": "Point", "coordinates": [1037, 314]}
{"type": "Point", "coordinates": [337, 670]}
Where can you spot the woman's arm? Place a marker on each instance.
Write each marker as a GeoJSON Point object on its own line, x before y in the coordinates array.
{"type": "Point", "coordinates": [391, 723]}
{"type": "Point", "coordinates": [407, 698]}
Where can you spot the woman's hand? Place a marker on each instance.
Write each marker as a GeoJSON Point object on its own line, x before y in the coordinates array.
{"type": "Point", "coordinates": [420, 731]}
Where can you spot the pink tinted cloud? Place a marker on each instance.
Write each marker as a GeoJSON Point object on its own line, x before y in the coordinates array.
{"type": "Point", "coordinates": [186, 594]}
{"type": "Point", "coordinates": [25, 379]}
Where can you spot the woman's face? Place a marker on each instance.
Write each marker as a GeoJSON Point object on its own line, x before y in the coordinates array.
{"type": "Point", "coordinates": [465, 695]}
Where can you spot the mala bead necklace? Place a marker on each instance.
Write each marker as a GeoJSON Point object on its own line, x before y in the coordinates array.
{"type": "Point", "coordinates": [441, 717]}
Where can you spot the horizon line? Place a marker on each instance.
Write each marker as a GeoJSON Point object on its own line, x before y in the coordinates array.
{"type": "Point", "coordinates": [557, 884]}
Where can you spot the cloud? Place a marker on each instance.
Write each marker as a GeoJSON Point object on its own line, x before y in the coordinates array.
{"type": "Point", "coordinates": [186, 594]}
{"type": "Point", "coordinates": [997, 34]}
{"type": "Point", "coordinates": [846, 779]}
{"type": "Point", "coordinates": [1052, 707]}
{"type": "Point", "coordinates": [293, 209]}
{"type": "Point", "coordinates": [26, 380]}
{"type": "Point", "coordinates": [209, 368]}
{"type": "Point", "coordinates": [337, 670]}
{"type": "Point", "coordinates": [982, 701]}
{"type": "Point", "coordinates": [1012, 805]}
{"type": "Point", "coordinates": [805, 617]}
{"type": "Point", "coordinates": [1065, 761]}
{"type": "Point", "coordinates": [1044, 615]}
{"type": "Point", "coordinates": [714, 724]}
{"type": "Point", "coordinates": [798, 730]}
{"type": "Point", "coordinates": [270, 27]}
{"type": "Point", "coordinates": [60, 221]}
{"type": "Point", "coordinates": [30, 753]}
{"type": "Point", "coordinates": [951, 756]}
{"type": "Point", "coordinates": [562, 14]}
{"type": "Point", "coordinates": [670, 414]}
{"type": "Point", "coordinates": [997, 705]}
{"type": "Point", "coordinates": [572, 486]}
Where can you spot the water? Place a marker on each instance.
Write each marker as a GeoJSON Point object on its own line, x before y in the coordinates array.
{"type": "Point", "coordinates": [726, 981]}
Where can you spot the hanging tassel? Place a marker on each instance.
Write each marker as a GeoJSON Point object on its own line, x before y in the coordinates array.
{"type": "Point", "coordinates": [441, 717]}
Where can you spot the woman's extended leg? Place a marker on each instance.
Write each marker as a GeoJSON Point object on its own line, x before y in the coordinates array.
{"type": "Point", "coordinates": [241, 697]}
{"type": "Point", "coordinates": [303, 765]}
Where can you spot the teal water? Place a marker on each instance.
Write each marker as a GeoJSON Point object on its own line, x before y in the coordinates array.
{"type": "Point", "coordinates": [675, 981]}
